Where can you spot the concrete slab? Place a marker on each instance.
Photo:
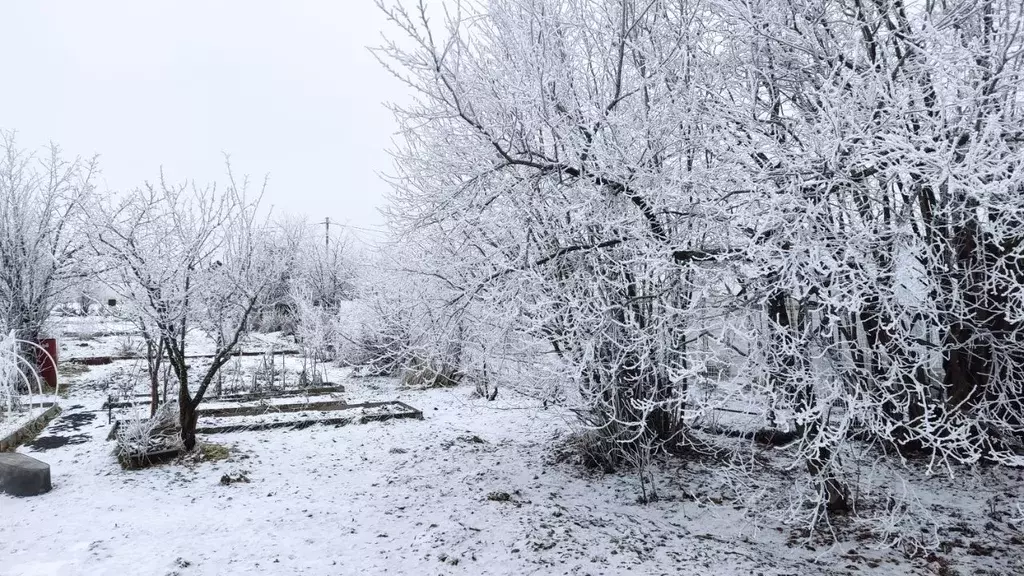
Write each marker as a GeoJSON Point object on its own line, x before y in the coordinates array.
{"type": "Point", "coordinates": [22, 475]}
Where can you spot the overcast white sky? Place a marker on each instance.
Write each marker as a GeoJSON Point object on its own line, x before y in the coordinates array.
{"type": "Point", "coordinates": [286, 87]}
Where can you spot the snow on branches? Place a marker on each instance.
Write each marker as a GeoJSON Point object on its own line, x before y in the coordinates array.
{"type": "Point", "coordinates": [189, 258]}
{"type": "Point", "coordinates": [805, 210]}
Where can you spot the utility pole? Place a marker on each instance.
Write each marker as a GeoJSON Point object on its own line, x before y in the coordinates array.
{"type": "Point", "coordinates": [327, 233]}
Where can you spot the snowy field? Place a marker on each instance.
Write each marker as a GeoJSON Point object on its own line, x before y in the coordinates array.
{"type": "Point", "coordinates": [471, 489]}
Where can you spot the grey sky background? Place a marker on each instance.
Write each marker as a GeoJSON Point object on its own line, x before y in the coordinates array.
{"type": "Point", "coordinates": [286, 87]}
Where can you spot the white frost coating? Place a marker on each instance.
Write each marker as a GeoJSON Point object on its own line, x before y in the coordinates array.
{"type": "Point", "coordinates": [806, 209]}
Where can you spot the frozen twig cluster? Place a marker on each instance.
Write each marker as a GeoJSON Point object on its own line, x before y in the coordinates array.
{"type": "Point", "coordinates": [137, 436]}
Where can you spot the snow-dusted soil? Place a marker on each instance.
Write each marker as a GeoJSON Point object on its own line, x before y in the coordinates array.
{"type": "Point", "coordinates": [271, 402]}
{"type": "Point", "coordinates": [355, 414]}
{"type": "Point", "coordinates": [471, 489]}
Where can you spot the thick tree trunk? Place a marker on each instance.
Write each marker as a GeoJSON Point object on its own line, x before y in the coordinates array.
{"type": "Point", "coordinates": [189, 419]}
{"type": "Point", "coordinates": [154, 392]}
{"type": "Point", "coordinates": [188, 415]}
{"type": "Point", "coordinates": [833, 491]}
{"type": "Point", "coordinates": [967, 364]}
{"type": "Point", "coordinates": [985, 348]}
{"type": "Point", "coordinates": [154, 356]}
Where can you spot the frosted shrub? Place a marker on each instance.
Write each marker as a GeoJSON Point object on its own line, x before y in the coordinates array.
{"type": "Point", "coordinates": [137, 437]}
{"type": "Point", "coordinates": [796, 214]}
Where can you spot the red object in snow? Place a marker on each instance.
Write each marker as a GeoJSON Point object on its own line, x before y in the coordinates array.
{"type": "Point", "coordinates": [46, 359]}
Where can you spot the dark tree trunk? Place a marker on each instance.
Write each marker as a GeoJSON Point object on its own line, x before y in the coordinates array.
{"type": "Point", "coordinates": [154, 392]}
{"type": "Point", "coordinates": [984, 357]}
{"type": "Point", "coordinates": [154, 357]}
{"type": "Point", "coordinates": [833, 491]}
{"type": "Point", "coordinates": [189, 419]}
{"type": "Point", "coordinates": [966, 363]}
{"type": "Point", "coordinates": [801, 394]}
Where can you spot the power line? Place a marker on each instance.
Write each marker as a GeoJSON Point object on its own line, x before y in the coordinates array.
{"type": "Point", "coordinates": [328, 222]}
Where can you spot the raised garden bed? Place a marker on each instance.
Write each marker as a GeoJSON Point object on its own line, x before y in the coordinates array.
{"type": "Point", "coordinates": [259, 409]}
{"type": "Point", "coordinates": [287, 393]}
{"type": "Point", "coordinates": [28, 429]}
{"type": "Point", "coordinates": [95, 360]}
{"type": "Point", "coordinates": [100, 360]}
{"type": "Point", "coordinates": [137, 461]}
{"type": "Point", "coordinates": [233, 410]}
{"type": "Point", "coordinates": [340, 415]}
{"type": "Point", "coordinates": [144, 399]}
{"type": "Point", "coordinates": [348, 414]}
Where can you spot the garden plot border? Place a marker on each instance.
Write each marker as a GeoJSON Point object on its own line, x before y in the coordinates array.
{"type": "Point", "coordinates": [286, 393]}
{"type": "Point", "coordinates": [29, 429]}
{"type": "Point", "coordinates": [102, 360]}
{"type": "Point", "coordinates": [248, 397]}
{"type": "Point", "coordinates": [261, 409]}
{"type": "Point", "coordinates": [408, 412]}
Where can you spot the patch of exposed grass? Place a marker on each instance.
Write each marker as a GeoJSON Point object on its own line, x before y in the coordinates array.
{"type": "Point", "coordinates": [68, 372]}
{"type": "Point", "coordinates": [71, 369]}
{"type": "Point", "coordinates": [214, 452]}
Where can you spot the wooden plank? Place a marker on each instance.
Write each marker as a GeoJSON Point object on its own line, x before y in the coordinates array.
{"type": "Point", "coordinates": [100, 360]}
{"type": "Point", "coordinates": [113, 430]}
{"type": "Point", "coordinates": [325, 406]}
{"type": "Point", "coordinates": [302, 424]}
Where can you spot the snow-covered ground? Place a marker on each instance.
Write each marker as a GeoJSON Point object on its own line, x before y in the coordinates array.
{"type": "Point", "coordinates": [30, 407]}
{"type": "Point", "coordinates": [11, 421]}
{"type": "Point", "coordinates": [400, 497]}
{"type": "Point", "coordinates": [471, 489]}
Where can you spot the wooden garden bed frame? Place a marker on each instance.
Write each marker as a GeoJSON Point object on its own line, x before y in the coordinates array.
{"type": "Point", "coordinates": [247, 397]}
{"type": "Point", "coordinates": [408, 412]}
{"type": "Point", "coordinates": [101, 360]}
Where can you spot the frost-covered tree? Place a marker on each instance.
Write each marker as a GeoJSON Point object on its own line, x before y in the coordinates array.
{"type": "Point", "coordinates": [190, 259]}
{"type": "Point", "coordinates": [561, 155]}
{"type": "Point", "coordinates": [41, 236]}
{"type": "Point", "coordinates": [821, 195]}
{"type": "Point", "coordinates": [886, 155]}
{"type": "Point", "coordinates": [319, 283]}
